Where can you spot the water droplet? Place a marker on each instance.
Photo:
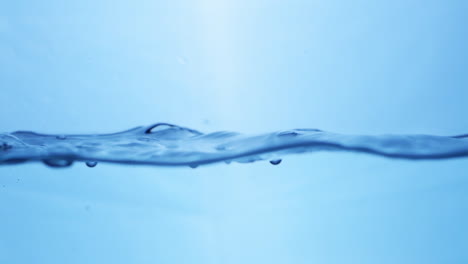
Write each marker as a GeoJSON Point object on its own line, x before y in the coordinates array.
{"type": "Point", "coordinates": [275, 162]}
{"type": "Point", "coordinates": [193, 166]}
{"type": "Point", "coordinates": [91, 164]}
{"type": "Point", "coordinates": [58, 163]}
{"type": "Point", "coordinates": [61, 137]}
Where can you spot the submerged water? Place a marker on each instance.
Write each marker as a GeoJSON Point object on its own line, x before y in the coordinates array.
{"type": "Point", "coordinates": [170, 145]}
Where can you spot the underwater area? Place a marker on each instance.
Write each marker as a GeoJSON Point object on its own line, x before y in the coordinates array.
{"type": "Point", "coordinates": [233, 131]}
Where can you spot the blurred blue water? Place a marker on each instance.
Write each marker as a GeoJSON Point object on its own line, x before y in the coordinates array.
{"type": "Point", "coordinates": [360, 67]}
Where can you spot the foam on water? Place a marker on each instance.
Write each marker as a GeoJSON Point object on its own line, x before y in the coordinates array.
{"type": "Point", "coordinates": [164, 144]}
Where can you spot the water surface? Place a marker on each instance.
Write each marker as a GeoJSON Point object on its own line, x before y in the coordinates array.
{"type": "Point", "coordinates": [165, 144]}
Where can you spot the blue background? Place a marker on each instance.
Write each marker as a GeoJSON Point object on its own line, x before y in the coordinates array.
{"type": "Point", "coordinates": [358, 67]}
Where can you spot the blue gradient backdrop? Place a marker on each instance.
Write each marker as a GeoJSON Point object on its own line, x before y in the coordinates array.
{"type": "Point", "coordinates": [359, 67]}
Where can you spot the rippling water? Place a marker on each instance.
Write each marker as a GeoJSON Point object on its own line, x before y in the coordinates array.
{"type": "Point", "coordinates": [165, 144]}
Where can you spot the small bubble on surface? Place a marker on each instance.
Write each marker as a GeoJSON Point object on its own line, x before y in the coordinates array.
{"type": "Point", "coordinates": [275, 162]}
{"type": "Point", "coordinates": [61, 137]}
